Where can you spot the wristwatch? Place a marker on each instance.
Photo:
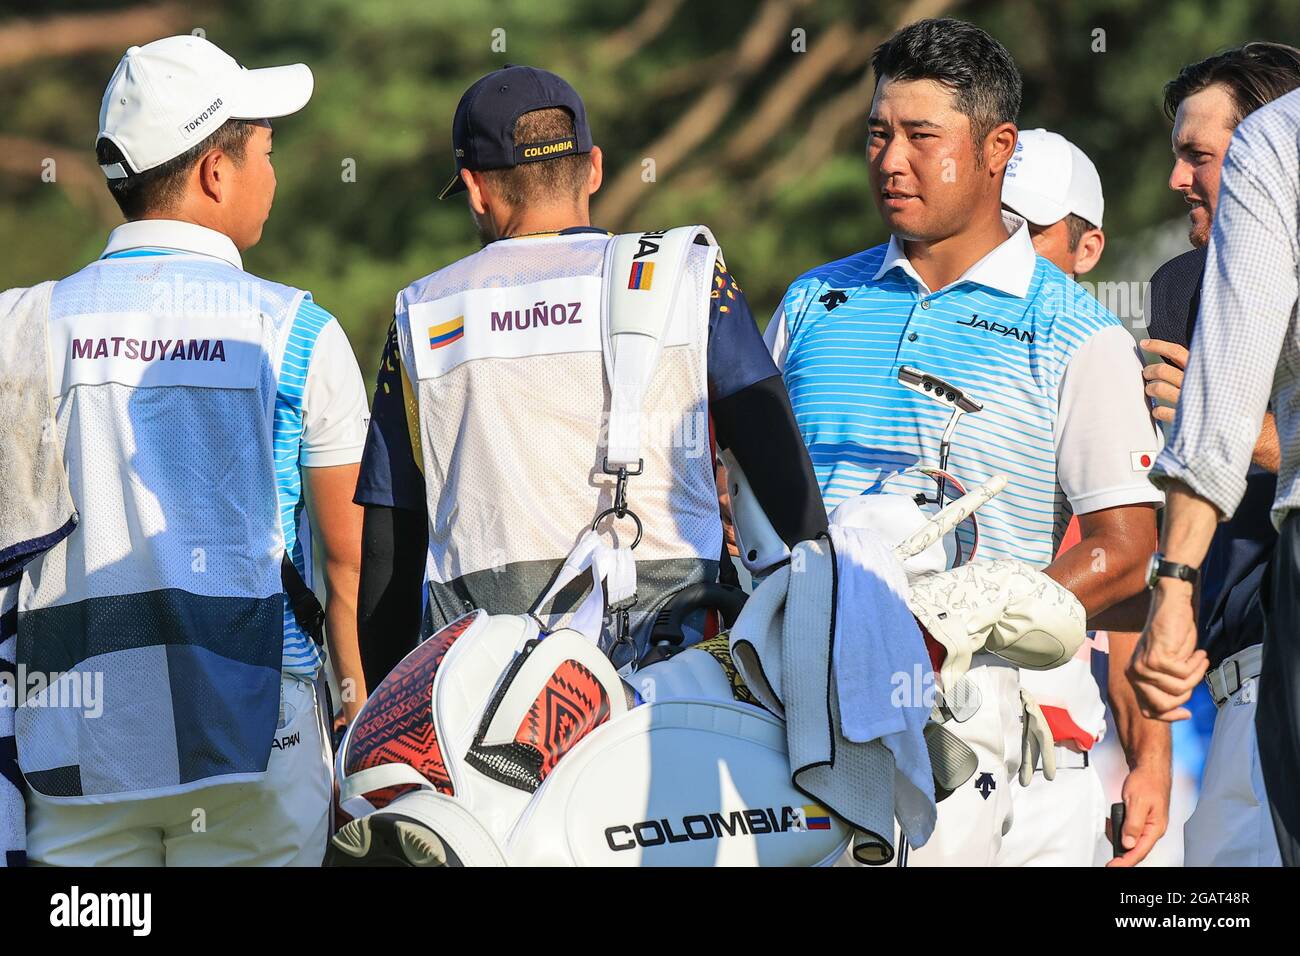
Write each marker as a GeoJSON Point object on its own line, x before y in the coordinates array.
{"type": "Point", "coordinates": [1160, 568]}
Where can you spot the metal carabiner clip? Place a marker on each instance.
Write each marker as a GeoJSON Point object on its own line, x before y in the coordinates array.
{"type": "Point", "coordinates": [621, 475]}
{"type": "Point", "coordinates": [620, 616]}
{"type": "Point", "coordinates": [620, 509]}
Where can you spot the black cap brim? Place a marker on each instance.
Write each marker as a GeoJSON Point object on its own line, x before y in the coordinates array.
{"type": "Point", "coordinates": [457, 185]}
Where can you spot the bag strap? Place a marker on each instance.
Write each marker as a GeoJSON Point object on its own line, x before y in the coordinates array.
{"type": "Point", "coordinates": [354, 786]}
{"type": "Point", "coordinates": [613, 583]}
{"type": "Point", "coordinates": [642, 278]}
{"type": "Point", "coordinates": [307, 610]}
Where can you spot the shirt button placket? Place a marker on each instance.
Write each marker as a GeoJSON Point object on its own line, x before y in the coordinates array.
{"type": "Point", "coordinates": [911, 335]}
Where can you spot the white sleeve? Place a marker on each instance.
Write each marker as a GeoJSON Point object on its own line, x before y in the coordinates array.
{"type": "Point", "coordinates": [335, 410]}
{"type": "Point", "coordinates": [777, 338]}
{"type": "Point", "coordinates": [1106, 440]}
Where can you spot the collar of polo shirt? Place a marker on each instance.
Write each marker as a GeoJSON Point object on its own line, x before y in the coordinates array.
{"type": "Point", "coordinates": [1008, 267]}
{"type": "Point", "coordinates": [173, 235]}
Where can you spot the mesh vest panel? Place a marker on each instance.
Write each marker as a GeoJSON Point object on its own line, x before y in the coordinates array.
{"type": "Point", "coordinates": [513, 447]}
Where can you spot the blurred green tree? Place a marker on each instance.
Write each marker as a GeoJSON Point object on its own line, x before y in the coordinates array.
{"type": "Point", "coordinates": [752, 115]}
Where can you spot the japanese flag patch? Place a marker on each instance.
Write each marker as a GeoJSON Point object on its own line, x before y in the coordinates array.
{"type": "Point", "coordinates": [1142, 460]}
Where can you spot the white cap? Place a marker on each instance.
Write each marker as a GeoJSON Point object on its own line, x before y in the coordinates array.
{"type": "Point", "coordinates": [1049, 177]}
{"type": "Point", "coordinates": [167, 96]}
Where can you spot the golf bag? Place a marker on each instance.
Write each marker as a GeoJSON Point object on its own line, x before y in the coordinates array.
{"type": "Point", "coordinates": [493, 743]}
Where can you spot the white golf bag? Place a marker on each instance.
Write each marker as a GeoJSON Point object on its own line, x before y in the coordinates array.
{"type": "Point", "coordinates": [493, 744]}
{"type": "Point", "coordinates": [496, 741]}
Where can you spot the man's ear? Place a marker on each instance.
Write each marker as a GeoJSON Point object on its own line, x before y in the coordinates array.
{"type": "Point", "coordinates": [1088, 252]}
{"type": "Point", "coordinates": [999, 147]}
{"type": "Point", "coordinates": [214, 175]}
{"type": "Point", "coordinates": [597, 175]}
{"type": "Point", "coordinates": [478, 200]}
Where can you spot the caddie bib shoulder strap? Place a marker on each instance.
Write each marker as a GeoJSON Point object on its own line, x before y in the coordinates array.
{"type": "Point", "coordinates": [641, 278]}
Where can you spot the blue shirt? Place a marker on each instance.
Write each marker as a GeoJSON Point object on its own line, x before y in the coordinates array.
{"type": "Point", "coordinates": [1006, 333]}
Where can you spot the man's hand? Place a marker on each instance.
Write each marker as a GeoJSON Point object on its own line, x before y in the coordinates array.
{"type": "Point", "coordinates": [1148, 751]}
{"type": "Point", "coordinates": [1164, 380]}
{"type": "Point", "coordinates": [1166, 664]}
{"type": "Point", "coordinates": [1146, 812]}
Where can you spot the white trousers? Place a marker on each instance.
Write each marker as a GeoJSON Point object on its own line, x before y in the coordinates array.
{"type": "Point", "coordinates": [1231, 825]}
{"type": "Point", "coordinates": [973, 821]}
{"type": "Point", "coordinates": [1059, 822]}
{"type": "Point", "coordinates": [281, 819]}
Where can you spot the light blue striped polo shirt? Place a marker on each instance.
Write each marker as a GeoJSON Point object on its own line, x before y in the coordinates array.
{"type": "Point", "coordinates": [166, 238]}
{"type": "Point", "coordinates": [1005, 333]}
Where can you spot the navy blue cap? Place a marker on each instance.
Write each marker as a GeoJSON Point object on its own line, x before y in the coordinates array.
{"type": "Point", "coordinates": [483, 132]}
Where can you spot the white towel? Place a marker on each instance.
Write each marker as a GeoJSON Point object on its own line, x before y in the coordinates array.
{"type": "Point", "coordinates": [13, 813]}
{"type": "Point", "coordinates": [783, 647]}
{"type": "Point", "coordinates": [880, 663]}
{"type": "Point", "coordinates": [36, 510]}
{"type": "Point", "coordinates": [895, 518]}
{"type": "Point", "coordinates": [36, 513]}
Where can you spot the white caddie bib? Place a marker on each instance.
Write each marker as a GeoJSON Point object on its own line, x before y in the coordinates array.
{"type": "Point", "coordinates": [510, 366]}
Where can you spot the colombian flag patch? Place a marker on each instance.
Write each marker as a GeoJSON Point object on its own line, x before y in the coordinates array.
{"type": "Point", "coordinates": [816, 818]}
{"type": "Point", "coordinates": [447, 332]}
{"type": "Point", "coordinates": [642, 274]}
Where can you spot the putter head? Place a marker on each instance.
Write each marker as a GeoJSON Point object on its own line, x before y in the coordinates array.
{"type": "Point", "coordinates": [943, 392]}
